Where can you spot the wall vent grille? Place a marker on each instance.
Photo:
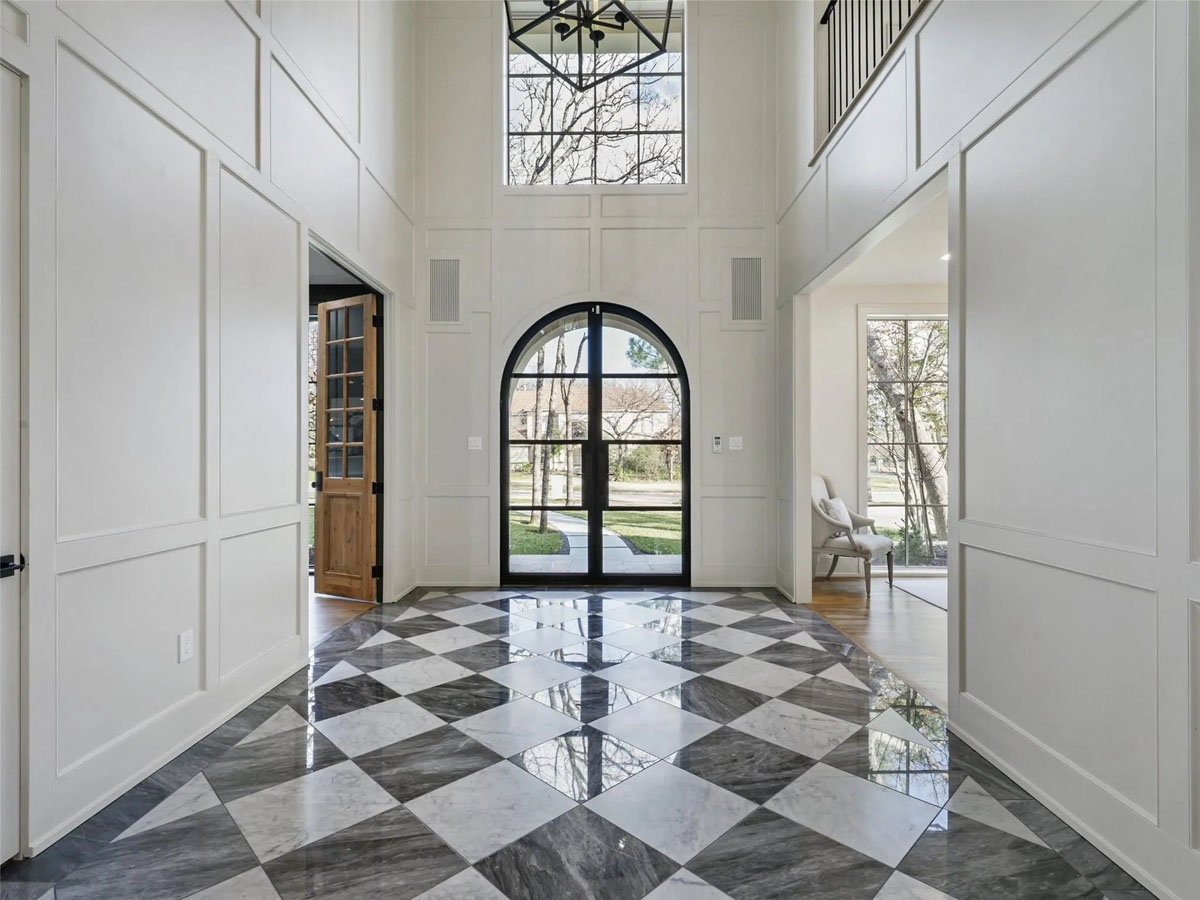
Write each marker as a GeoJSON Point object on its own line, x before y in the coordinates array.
{"type": "Point", "coordinates": [747, 289]}
{"type": "Point", "coordinates": [443, 290]}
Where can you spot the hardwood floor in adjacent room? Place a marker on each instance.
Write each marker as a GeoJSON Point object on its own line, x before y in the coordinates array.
{"type": "Point", "coordinates": [906, 634]}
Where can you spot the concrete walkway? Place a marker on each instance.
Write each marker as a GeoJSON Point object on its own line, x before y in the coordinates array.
{"type": "Point", "coordinates": [618, 558]}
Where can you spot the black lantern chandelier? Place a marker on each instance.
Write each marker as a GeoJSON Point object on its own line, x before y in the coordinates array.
{"type": "Point", "coordinates": [579, 27]}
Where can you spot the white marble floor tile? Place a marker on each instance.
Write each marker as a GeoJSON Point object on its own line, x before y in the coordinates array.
{"type": "Point", "coordinates": [804, 639]}
{"type": "Point", "coordinates": [379, 637]}
{"type": "Point", "coordinates": [672, 810]}
{"type": "Point", "coordinates": [410, 677]}
{"type": "Point", "coordinates": [465, 615]}
{"type": "Point", "coordinates": [890, 722]}
{"type": "Point", "coordinates": [411, 613]}
{"type": "Point", "coordinates": [630, 596]}
{"type": "Point", "coordinates": [655, 727]}
{"type": "Point", "coordinates": [449, 639]}
{"type": "Point", "coordinates": [776, 614]}
{"type": "Point", "coordinates": [528, 676]}
{"type": "Point", "coordinates": [252, 885]}
{"type": "Point", "coordinates": [487, 596]}
{"type": "Point", "coordinates": [839, 673]}
{"type": "Point", "coordinates": [290, 815]}
{"type": "Point", "coordinates": [286, 719]}
{"type": "Point", "coordinates": [195, 796]}
{"type": "Point", "coordinates": [372, 727]}
{"type": "Point", "coordinates": [556, 596]}
{"type": "Point", "coordinates": [641, 640]}
{"type": "Point", "coordinates": [868, 817]}
{"type": "Point", "coordinates": [685, 885]}
{"type": "Point", "coordinates": [479, 814]}
{"type": "Point", "coordinates": [633, 615]}
{"type": "Point", "coordinates": [735, 640]}
{"type": "Point", "coordinates": [718, 615]}
{"type": "Point", "coordinates": [516, 726]}
{"type": "Point", "coordinates": [702, 596]}
{"type": "Point", "coordinates": [542, 640]}
{"type": "Point", "coordinates": [803, 730]}
{"type": "Point", "coordinates": [902, 887]}
{"type": "Point", "coordinates": [466, 885]}
{"type": "Point", "coordinates": [757, 675]}
{"type": "Point", "coordinates": [646, 676]}
{"type": "Point", "coordinates": [974, 802]}
{"type": "Point", "coordinates": [553, 615]}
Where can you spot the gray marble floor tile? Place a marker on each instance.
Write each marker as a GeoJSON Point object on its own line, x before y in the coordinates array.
{"type": "Point", "coordinates": [249, 768]}
{"type": "Point", "coordinates": [441, 602]}
{"type": "Point", "coordinates": [503, 625]}
{"type": "Point", "coordinates": [167, 863]}
{"type": "Point", "coordinates": [588, 698]}
{"type": "Point", "coordinates": [716, 700]}
{"type": "Point", "coordinates": [912, 769]}
{"type": "Point", "coordinates": [716, 614]}
{"type": "Point", "coordinates": [426, 762]}
{"type": "Point", "coordinates": [767, 626]}
{"type": "Point", "coordinates": [672, 810]}
{"type": "Point", "coordinates": [578, 856]}
{"type": "Point", "coordinates": [769, 857]}
{"type": "Point", "coordinates": [831, 698]}
{"type": "Point", "coordinates": [195, 796]}
{"type": "Point", "coordinates": [295, 813]}
{"type": "Point", "coordinates": [252, 885]}
{"type": "Point", "coordinates": [668, 605]}
{"type": "Point", "coordinates": [646, 676]}
{"type": "Point", "coordinates": [748, 604]}
{"type": "Point", "coordinates": [656, 727]}
{"type": "Point", "coordinates": [410, 677]}
{"type": "Point", "coordinates": [732, 640]}
{"type": "Point", "coordinates": [342, 696]}
{"type": "Point", "coordinates": [26, 890]}
{"type": "Point", "coordinates": [391, 856]}
{"type": "Point", "coordinates": [513, 727]}
{"type": "Point", "coordinates": [483, 812]}
{"type": "Point", "coordinates": [876, 821]}
{"type": "Point", "coordinates": [685, 885]}
{"type": "Point", "coordinates": [383, 656]}
{"type": "Point", "coordinates": [584, 762]}
{"type": "Point", "coordinates": [640, 640]}
{"type": "Point", "coordinates": [466, 697]}
{"type": "Point", "coordinates": [756, 675]}
{"type": "Point", "coordinates": [791, 656]}
{"type": "Point", "coordinates": [364, 730]}
{"type": "Point", "coordinates": [739, 762]}
{"type": "Point", "coordinates": [426, 623]}
{"type": "Point", "coordinates": [694, 657]}
{"type": "Point", "coordinates": [972, 861]}
{"type": "Point", "coordinates": [972, 801]}
{"type": "Point", "coordinates": [492, 655]}
{"type": "Point", "coordinates": [905, 887]}
{"type": "Point", "coordinates": [532, 675]}
{"type": "Point", "coordinates": [803, 730]}
{"type": "Point", "coordinates": [466, 885]}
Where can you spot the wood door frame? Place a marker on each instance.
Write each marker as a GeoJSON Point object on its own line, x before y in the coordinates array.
{"type": "Point", "coordinates": [594, 461]}
{"type": "Point", "coordinates": [370, 536]}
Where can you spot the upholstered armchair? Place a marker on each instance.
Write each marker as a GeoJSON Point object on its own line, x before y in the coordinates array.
{"type": "Point", "coordinates": [837, 531]}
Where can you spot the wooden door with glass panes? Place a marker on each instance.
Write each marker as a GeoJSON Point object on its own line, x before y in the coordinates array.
{"type": "Point", "coordinates": [347, 419]}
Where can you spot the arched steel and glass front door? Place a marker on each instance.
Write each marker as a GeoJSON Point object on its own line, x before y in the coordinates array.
{"type": "Point", "coordinates": [594, 452]}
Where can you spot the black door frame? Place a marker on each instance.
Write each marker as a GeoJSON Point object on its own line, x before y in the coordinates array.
{"type": "Point", "coordinates": [594, 493]}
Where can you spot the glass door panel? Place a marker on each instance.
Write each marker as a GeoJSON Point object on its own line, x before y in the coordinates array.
{"type": "Point", "coordinates": [644, 475]}
{"type": "Point", "coordinates": [644, 408]}
{"type": "Point", "coordinates": [545, 542]}
{"type": "Point", "coordinates": [643, 542]}
{"type": "Point", "coordinates": [550, 475]}
{"type": "Point", "coordinates": [561, 406]}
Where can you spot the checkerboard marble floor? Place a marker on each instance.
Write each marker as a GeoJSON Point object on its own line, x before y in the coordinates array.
{"type": "Point", "coordinates": [478, 745]}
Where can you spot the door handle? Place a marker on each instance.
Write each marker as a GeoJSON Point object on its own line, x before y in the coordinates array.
{"type": "Point", "coordinates": [9, 565]}
{"type": "Point", "coordinates": [319, 482]}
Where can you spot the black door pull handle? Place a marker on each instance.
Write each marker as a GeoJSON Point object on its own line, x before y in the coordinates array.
{"type": "Point", "coordinates": [9, 565]}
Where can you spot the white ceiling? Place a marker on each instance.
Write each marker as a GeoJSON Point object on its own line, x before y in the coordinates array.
{"type": "Point", "coordinates": [323, 270]}
{"type": "Point", "coordinates": [912, 254]}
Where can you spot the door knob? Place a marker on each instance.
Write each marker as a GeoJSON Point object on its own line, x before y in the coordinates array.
{"type": "Point", "coordinates": [9, 565]}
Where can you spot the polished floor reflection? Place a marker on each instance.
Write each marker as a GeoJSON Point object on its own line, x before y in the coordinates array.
{"type": "Point", "coordinates": [476, 744]}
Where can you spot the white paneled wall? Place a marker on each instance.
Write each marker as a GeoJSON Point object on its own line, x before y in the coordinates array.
{"type": "Point", "coordinates": [666, 251]}
{"type": "Point", "coordinates": [181, 157]}
{"type": "Point", "coordinates": [1065, 129]}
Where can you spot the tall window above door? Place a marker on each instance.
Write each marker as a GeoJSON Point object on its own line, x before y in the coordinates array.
{"type": "Point", "coordinates": [628, 129]}
{"type": "Point", "coordinates": [907, 484]}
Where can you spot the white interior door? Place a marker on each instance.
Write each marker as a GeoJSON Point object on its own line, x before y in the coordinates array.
{"type": "Point", "coordinates": [10, 459]}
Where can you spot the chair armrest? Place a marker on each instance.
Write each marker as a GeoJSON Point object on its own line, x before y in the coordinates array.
{"type": "Point", "coordinates": [839, 527]}
{"type": "Point", "coordinates": [862, 522]}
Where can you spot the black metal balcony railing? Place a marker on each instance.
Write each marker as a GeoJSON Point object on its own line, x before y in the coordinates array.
{"type": "Point", "coordinates": [858, 34]}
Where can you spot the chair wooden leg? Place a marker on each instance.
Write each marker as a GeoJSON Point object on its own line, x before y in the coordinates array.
{"type": "Point", "coordinates": [891, 569]}
{"type": "Point", "coordinates": [867, 573]}
{"type": "Point", "coordinates": [832, 566]}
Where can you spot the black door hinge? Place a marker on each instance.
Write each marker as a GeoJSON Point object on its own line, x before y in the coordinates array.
{"type": "Point", "coordinates": [10, 566]}
{"type": "Point", "coordinates": [376, 571]}
{"type": "Point", "coordinates": [377, 321]}
{"type": "Point", "coordinates": [376, 487]}
{"type": "Point", "coordinates": [377, 404]}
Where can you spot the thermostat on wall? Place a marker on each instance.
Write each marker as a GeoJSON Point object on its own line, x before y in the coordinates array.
{"type": "Point", "coordinates": [716, 443]}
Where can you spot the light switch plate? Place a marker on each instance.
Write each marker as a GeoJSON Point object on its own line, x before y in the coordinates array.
{"type": "Point", "coordinates": [735, 443]}
{"type": "Point", "coordinates": [187, 645]}
{"type": "Point", "coordinates": [474, 443]}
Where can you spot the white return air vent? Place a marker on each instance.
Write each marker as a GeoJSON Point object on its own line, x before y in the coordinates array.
{"type": "Point", "coordinates": [443, 290]}
{"type": "Point", "coordinates": [747, 289]}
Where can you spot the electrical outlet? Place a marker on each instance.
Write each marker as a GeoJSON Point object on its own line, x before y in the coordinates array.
{"type": "Point", "coordinates": [187, 645]}
{"type": "Point", "coordinates": [735, 443]}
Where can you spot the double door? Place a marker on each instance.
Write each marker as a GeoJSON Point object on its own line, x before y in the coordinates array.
{"type": "Point", "coordinates": [594, 468]}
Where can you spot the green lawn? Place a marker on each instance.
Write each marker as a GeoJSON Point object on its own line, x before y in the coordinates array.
{"type": "Point", "coordinates": [525, 539]}
{"type": "Point", "coordinates": [650, 532]}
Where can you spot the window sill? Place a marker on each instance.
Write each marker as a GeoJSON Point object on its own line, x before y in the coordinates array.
{"type": "Point", "coordinates": [574, 190]}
